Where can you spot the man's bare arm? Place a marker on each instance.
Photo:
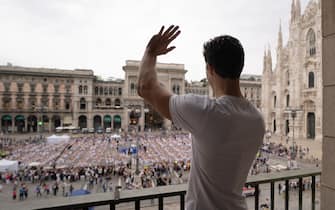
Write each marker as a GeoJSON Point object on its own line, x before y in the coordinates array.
{"type": "Point", "coordinates": [149, 87]}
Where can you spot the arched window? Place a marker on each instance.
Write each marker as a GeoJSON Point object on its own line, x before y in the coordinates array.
{"type": "Point", "coordinates": [287, 100]}
{"type": "Point", "coordinates": [105, 90]}
{"type": "Point", "coordinates": [132, 89]}
{"type": "Point", "coordinates": [274, 101]}
{"type": "Point", "coordinates": [80, 89]}
{"type": "Point", "coordinates": [288, 77]}
{"type": "Point", "coordinates": [85, 89]}
{"type": "Point", "coordinates": [117, 102]}
{"type": "Point", "coordinates": [82, 103]}
{"type": "Point", "coordinates": [311, 43]}
{"type": "Point", "coordinates": [98, 102]}
{"type": "Point", "coordinates": [96, 91]}
{"type": "Point", "coordinates": [310, 80]}
{"type": "Point", "coordinates": [101, 91]}
{"type": "Point", "coordinates": [108, 102]}
{"type": "Point", "coordinates": [178, 89]}
{"type": "Point", "coordinates": [174, 89]}
{"type": "Point", "coordinates": [110, 91]}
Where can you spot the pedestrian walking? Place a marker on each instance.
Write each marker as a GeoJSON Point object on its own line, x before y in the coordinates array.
{"type": "Point", "coordinates": [104, 186]}
{"type": "Point", "coordinates": [71, 189]}
{"type": "Point", "coordinates": [14, 195]}
{"type": "Point", "coordinates": [38, 190]}
{"type": "Point", "coordinates": [110, 186]}
{"type": "Point", "coordinates": [21, 193]}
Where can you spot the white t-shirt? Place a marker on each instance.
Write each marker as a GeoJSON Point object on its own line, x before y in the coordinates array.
{"type": "Point", "coordinates": [226, 135]}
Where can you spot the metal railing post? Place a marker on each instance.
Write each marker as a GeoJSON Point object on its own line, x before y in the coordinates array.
{"type": "Point", "coordinates": [256, 196]}
{"type": "Point", "coordinates": [160, 203]}
{"type": "Point", "coordinates": [137, 205]}
{"type": "Point", "coordinates": [272, 195]}
{"type": "Point", "coordinates": [112, 206]}
{"type": "Point", "coordinates": [287, 189]}
{"type": "Point", "coordinates": [313, 192]}
{"type": "Point", "coordinates": [300, 193]}
{"type": "Point", "coordinates": [182, 201]}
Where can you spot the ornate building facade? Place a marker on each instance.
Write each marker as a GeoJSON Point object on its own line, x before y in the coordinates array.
{"type": "Point", "coordinates": [292, 90]}
{"type": "Point", "coordinates": [251, 88]}
{"type": "Point", "coordinates": [42, 99]}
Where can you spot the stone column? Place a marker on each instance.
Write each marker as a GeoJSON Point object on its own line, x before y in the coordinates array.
{"type": "Point", "coordinates": [142, 118]}
{"type": "Point", "coordinates": [49, 124]}
{"type": "Point", "coordinates": [167, 124]}
{"type": "Point", "coordinates": [25, 123]}
{"type": "Point", "coordinates": [89, 120]}
{"type": "Point", "coordinates": [125, 119]}
{"type": "Point", "coordinates": [13, 124]}
{"type": "Point", "coordinates": [328, 146]}
{"type": "Point", "coordinates": [74, 120]}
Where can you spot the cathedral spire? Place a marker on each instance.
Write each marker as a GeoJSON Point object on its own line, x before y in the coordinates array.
{"type": "Point", "coordinates": [264, 60]}
{"type": "Point", "coordinates": [269, 58]}
{"type": "Point", "coordinates": [280, 38]}
{"type": "Point", "coordinates": [298, 9]}
{"type": "Point", "coordinates": [293, 11]}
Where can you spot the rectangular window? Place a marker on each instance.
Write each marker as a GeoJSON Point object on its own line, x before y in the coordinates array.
{"type": "Point", "coordinates": [67, 106]}
{"type": "Point", "coordinates": [82, 106]}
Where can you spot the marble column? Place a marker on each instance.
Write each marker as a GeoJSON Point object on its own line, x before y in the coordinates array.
{"type": "Point", "coordinates": [13, 124]}
{"type": "Point", "coordinates": [328, 121]}
{"type": "Point", "coordinates": [142, 119]}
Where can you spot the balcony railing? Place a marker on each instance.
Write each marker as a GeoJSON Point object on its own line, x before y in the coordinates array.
{"type": "Point", "coordinates": [136, 196]}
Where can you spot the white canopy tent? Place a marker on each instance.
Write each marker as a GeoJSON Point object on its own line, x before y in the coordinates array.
{"type": "Point", "coordinates": [8, 165]}
{"type": "Point", "coordinates": [116, 136]}
{"type": "Point", "coordinates": [57, 139]}
{"type": "Point", "coordinates": [34, 164]}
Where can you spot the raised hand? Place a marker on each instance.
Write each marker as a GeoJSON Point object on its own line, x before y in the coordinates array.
{"type": "Point", "coordinates": [159, 43]}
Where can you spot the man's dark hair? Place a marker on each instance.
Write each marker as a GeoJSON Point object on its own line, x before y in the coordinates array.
{"type": "Point", "coordinates": [226, 55]}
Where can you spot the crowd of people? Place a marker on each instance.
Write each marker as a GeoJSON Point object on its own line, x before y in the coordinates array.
{"type": "Point", "coordinates": [9, 143]}
{"type": "Point", "coordinates": [97, 162]}
{"type": "Point", "coordinates": [48, 182]}
{"type": "Point", "coordinates": [291, 154]}
{"type": "Point", "coordinates": [94, 150]}
{"type": "Point", "coordinates": [102, 162]}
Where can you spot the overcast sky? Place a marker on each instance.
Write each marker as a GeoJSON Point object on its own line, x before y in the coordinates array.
{"type": "Point", "coordinates": [102, 34]}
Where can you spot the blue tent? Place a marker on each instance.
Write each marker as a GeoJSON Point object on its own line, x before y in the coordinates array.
{"type": "Point", "coordinates": [80, 192]}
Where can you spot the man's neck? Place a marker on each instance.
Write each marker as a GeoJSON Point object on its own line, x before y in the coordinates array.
{"type": "Point", "coordinates": [228, 87]}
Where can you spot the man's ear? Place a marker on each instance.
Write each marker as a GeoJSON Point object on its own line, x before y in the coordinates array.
{"type": "Point", "coordinates": [210, 69]}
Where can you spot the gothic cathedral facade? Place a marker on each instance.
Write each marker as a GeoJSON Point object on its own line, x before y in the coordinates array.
{"type": "Point", "coordinates": [292, 89]}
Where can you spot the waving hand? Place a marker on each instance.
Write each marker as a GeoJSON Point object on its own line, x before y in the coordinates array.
{"type": "Point", "coordinates": [159, 43]}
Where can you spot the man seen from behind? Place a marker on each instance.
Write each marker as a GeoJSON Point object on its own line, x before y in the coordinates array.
{"type": "Point", "coordinates": [227, 130]}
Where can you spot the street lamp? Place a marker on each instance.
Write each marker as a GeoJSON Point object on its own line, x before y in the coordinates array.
{"type": "Point", "coordinates": [293, 112]}
{"type": "Point", "coordinates": [134, 115]}
{"type": "Point", "coordinates": [40, 110]}
{"type": "Point", "coordinates": [293, 115]}
{"type": "Point", "coordinates": [146, 111]}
